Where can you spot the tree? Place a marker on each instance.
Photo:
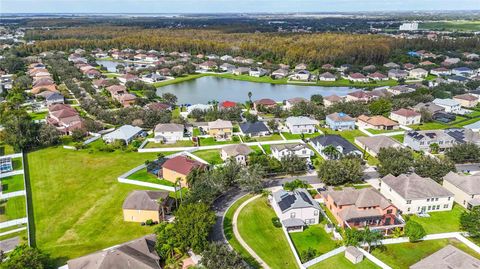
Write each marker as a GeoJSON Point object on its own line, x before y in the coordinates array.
{"type": "Point", "coordinates": [353, 237]}
{"type": "Point", "coordinates": [414, 231]}
{"type": "Point", "coordinates": [250, 97]}
{"type": "Point", "coordinates": [464, 153]}
{"type": "Point", "coordinates": [218, 255]}
{"type": "Point", "coordinates": [394, 161]}
{"type": "Point", "coordinates": [193, 223]}
{"type": "Point", "coordinates": [426, 115]}
{"type": "Point", "coordinates": [169, 98]}
{"type": "Point", "coordinates": [78, 134]}
{"type": "Point", "coordinates": [370, 237]}
{"type": "Point", "coordinates": [380, 107]}
{"type": "Point", "coordinates": [316, 99]}
{"type": "Point", "coordinates": [292, 164]}
{"type": "Point", "coordinates": [434, 148]}
{"type": "Point", "coordinates": [251, 117]}
{"type": "Point", "coordinates": [295, 184]}
{"type": "Point", "coordinates": [19, 130]}
{"type": "Point", "coordinates": [48, 135]}
{"type": "Point", "coordinates": [308, 254]}
{"type": "Point", "coordinates": [337, 172]}
{"type": "Point", "coordinates": [251, 180]}
{"type": "Point", "coordinates": [272, 125]}
{"type": "Point", "coordinates": [167, 244]}
{"type": "Point", "coordinates": [433, 168]}
{"type": "Point", "coordinates": [24, 256]}
{"type": "Point", "coordinates": [470, 222]}
{"type": "Point", "coordinates": [331, 152]}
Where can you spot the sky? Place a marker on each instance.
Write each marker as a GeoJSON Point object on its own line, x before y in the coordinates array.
{"type": "Point", "coordinates": [228, 6]}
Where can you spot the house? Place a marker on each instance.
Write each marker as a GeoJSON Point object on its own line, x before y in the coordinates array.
{"type": "Point", "coordinates": [119, 93]}
{"type": "Point", "coordinates": [328, 67]}
{"type": "Point", "coordinates": [264, 103]}
{"type": "Point", "coordinates": [179, 167]}
{"type": "Point", "coordinates": [475, 127]}
{"type": "Point", "coordinates": [340, 121]}
{"type": "Point", "coordinates": [466, 100]}
{"type": "Point", "coordinates": [226, 67]}
{"type": "Point", "coordinates": [472, 56]}
{"type": "Point", "coordinates": [257, 72]}
{"type": "Point", "coordinates": [301, 66]}
{"type": "Point", "coordinates": [159, 106]}
{"type": "Point", "coordinates": [226, 58]}
{"type": "Point", "coordinates": [152, 78]}
{"type": "Point", "coordinates": [362, 208]}
{"type": "Point", "coordinates": [357, 77]}
{"type": "Point", "coordinates": [441, 71]}
{"type": "Point", "coordinates": [400, 89]}
{"type": "Point", "coordinates": [301, 125]}
{"type": "Point", "coordinates": [373, 144]}
{"type": "Point", "coordinates": [280, 73]}
{"type": "Point", "coordinates": [227, 105]}
{"type": "Point", "coordinates": [406, 116]}
{"type": "Point", "coordinates": [295, 209]}
{"type": "Point", "coordinates": [220, 129]}
{"type": "Point", "coordinates": [430, 107]}
{"type": "Point", "coordinates": [408, 66]}
{"type": "Point", "coordinates": [126, 133]}
{"type": "Point", "coordinates": [448, 257]}
{"type": "Point", "coordinates": [450, 105]}
{"type": "Point", "coordinates": [140, 206]}
{"type": "Point", "coordinates": [238, 152]}
{"type": "Point", "coordinates": [241, 71]}
{"type": "Point", "coordinates": [376, 122]}
{"type": "Point", "coordinates": [466, 188]}
{"type": "Point", "coordinates": [137, 254]}
{"type": "Point", "coordinates": [342, 146]}
{"type": "Point", "coordinates": [51, 98]}
{"type": "Point", "coordinates": [421, 140]}
{"type": "Point", "coordinates": [426, 63]}
{"type": "Point", "coordinates": [293, 101]}
{"type": "Point", "coordinates": [127, 77]}
{"type": "Point", "coordinates": [391, 65]}
{"type": "Point", "coordinates": [327, 76]}
{"type": "Point", "coordinates": [359, 96]}
{"type": "Point", "coordinates": [345, 67]}
{"type": "Point", "coordinates": [462, 71]}
{"type": "Point", "coordinates": [418, 73]}
{"type": "Point", "coordinates": [302, 75]}
{"type": "Point", "coordinates": [457, 79]}
{"type": "Point", "coordinates": [201, 107]}
{"type": "Point", "coordinates": [64, 118]}
{"type": "Point", "coordinates": [369, 68]}
{"type": "Point", "coordinates": [397, 74]}
{"type": "Point", "coordinates": [331, 100]}
{"type": "Point", "coordinates": [254, 129]}
{"type": "Point", "coordinates": [280, 151]}
{"type": "Point", "coordinates": [413, 194]}
{"type": "Point", "coordinates": [377, 76]}
{"type": "Point", "coordinates": [168, 133]}
{"type": "Point", "coordinates": [451, 61]}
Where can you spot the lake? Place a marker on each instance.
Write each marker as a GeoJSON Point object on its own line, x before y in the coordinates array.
{"type": "Point", "coordinates": [110, 65]}
{"type": "Point", "coordinates": [210, 88]}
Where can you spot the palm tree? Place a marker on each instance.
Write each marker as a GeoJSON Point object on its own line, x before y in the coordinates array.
{"type": "Point", "coordinates": [371, 237]}
{"type": "Point", "coordinates": [250, 96]}
{"type": "Point", "coordinates": [331, 152]}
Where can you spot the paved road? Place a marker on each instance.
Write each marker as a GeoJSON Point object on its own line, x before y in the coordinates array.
{"type": "Point", "coordinates": [9, 244]}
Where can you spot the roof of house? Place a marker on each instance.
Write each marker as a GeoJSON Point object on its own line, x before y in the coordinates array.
{"type": "Point", "coordinates": [182, 164]}
{"type": "Point", "coordinates": [290, 147]}
{"type": "Point", "coordinates": [139, 254]}
{"type": "Point", "coordinates": [360, 94]}
{"type": "Point", "coordinates": [333, 98]}
{"type": "Point", "coordinates": [377, 120]}
{"type": "Point", "coordinates": [406, 113]}
{"type": "Point", "coordinates": [292, 222]}
{"type": "Point", "coordinates": [169, 127]}
{"type": "Point", "coordinates": [419, 70]}
{"type": "Point", "coordinates": [470, 184]}
{"type": "Point", "coordinates": [466, 97]}
{"type": "Point", "coordinates": [336, 141]}
{"type": "Point", "coordinates": [340, 117]}
{"type": "Point", "coordinates": [145, 200]}
{"type": "Point", "coordinates": [235, 150]}
{"type": "Point", "coordinates": [302, 120]}
{"type": "Point", "coordinates": [220, 124]}
{"type": "Point", "coordinates": [353, 251]}
{"type": "Point", "coordinates": [463, 135]}
{"type": "Point", "coordinates": [158, 106]}
{"type": "Point", "coordinates": [357, 76]}
{"type": "Point", "coordinates": [367, 197]}
{"type": "Point", "coordinates": [377, 75]}
{"type": "Point", "coordinates": [265, 102]}
{"type": "Point", "coordinates": [448, 257]}
{"type": "Point", "coordinates": [296, 100]}
{"type": "Point", "coordinates": [375, 143]}
{"type": "Point", "coordinates": [299, 198]}
{"type": "Point", "coordinates": [431, 107]}
{"type": "Point", "coordinates": [126, 132]}
{"type": "Point", "coordinates": [445, 102]}
{"type": "Point", "coordinates": [413, 186]}
{"type": "Point", "coordinates": [327, 75]}
{"type": "Point", "coordinates": [475, 125]}
{"type": "Point", "coordinates": [227, 104]}
{"type": "Point", "coordinates": [253, 127]}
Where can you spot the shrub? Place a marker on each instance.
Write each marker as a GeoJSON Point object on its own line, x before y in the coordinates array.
{"type": "Point", "coordinates": [276, 222]}
{"type": "Point", "coordinates": [149, 222]}
{"type": "Point", "coordinates": [414, 231]}
{"type": "Point", "coordinates": [308, 254]}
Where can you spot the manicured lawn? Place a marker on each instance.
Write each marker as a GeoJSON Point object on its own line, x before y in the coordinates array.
{"type": "Point", "coordinates": [212, 156]}
{"type": "Point", "coordinates": [267, 149]}
{"type": "Point", "coordinates": [349, 134]}
{"type": "Point", "coordinates": [183, 143]}
{"type": "Point", "coordinates": [340, 262]}
{"type": "Point", "coordinates": [290, 136]}
{"type": "Point", "coordinates": [210, 141]}
{"type": "Point", "coordinates": [256, 149]}
{"type": "Point", "coordinates": [17, 163]}
{"type": "Point", "coordinates": [38, 115]}
{"type": "Point", "coordinates": [144, 176]}
{"type": "Point", "coordinates": [13, 183]}
{"type": "Point", "coordinates": [399, 138]}
{"type": "Point", "coordinates": [441, 222]}
{"type": "Point", "coordinates": [402, 256]}
{"type": "Point", "coordinates": [23, 235]}
{"type": "Point", "coordinates": [228, 231]}
{"type": "Point", "coordinates": [269, 242]}
{"type": "Point", "coordinates": [13, 228]}
{"type": "Point", "coordinates": [329, 214]}
{"type": "Point", "coordinates": [314, 237]}
{"type": "Point", "coordinates": [77, 201]}
{"type": "Point", "coordinates": [272, 137]}
{"type": "Point", "coordinates": [374, 131]}
{"type": "Point", "coordinates": [13, 208]}
{"type": "Point", "coordinates": [177, 80]}
{"type": "Point", "coordinates": [429, 126]}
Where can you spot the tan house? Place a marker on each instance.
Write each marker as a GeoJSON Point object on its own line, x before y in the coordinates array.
{"type": "Point", "coordinates": [141, 206]}
{"type": "Point", "coordinates": [331, 100]}
{"type": "Point", "coordinates": [373, 144]}
{"type": "Point", "coordinates": [238, 152]}
{"type": "Point", "coordinates": [406, 116]}
{"type": "Point", "coordinates": [178, 168]}
{"type": "Point", "coordinates": [376, 122]}
{"type": "Point", "coordinates": [466, 100]}
{"type": "Point", "coordinates": [220, 129]}
{"type": "Point", "coordinates": [465, 187]}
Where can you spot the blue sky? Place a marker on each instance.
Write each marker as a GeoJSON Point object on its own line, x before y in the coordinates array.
{"type": "Point", "coordinates": [227, 6]}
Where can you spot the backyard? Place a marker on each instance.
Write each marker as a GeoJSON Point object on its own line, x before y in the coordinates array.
{"type": "Point", "coordinates": [145, 176]}
{"type": "Point", "coordinates": [212, 156]}
{"type": "Point", "coordinates": [340, 262]}
{"type": "Point", "coordinates": [183, 143]}
{"type": "Point", "coordinates": [290, 136]}
{"type": "Point", "coordinates": [314, 237]}
{"type": "Point", "coordinates": [12, 183]}
{"type": "Point", "coordinates": [441, 222]}
{"type": "Point", "coordinates": [210, 141]}
{"type": "Point", "coordinates": [269, 242]}
{"type": "Point", "coordinates": [12, 208]}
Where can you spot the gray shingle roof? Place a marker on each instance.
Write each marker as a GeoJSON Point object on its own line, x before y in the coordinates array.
{"type": "Point", "coordinates": [335, 140]}
{"type": "Point", "coordinates": [375, 143]}
{"type": "Point", "coordinates": [292, 222]}
{"type": "Point", "coordinates": [470, 184]}
{"type": "Point", "coordinates": [291, 147]}
{"type": "Point", "coordinates": [235, 150]}
{"type": "Point", "coordinates": [144, 200]}
{"type": "Point", "coordinates": [125, 132]}
{"type": "Point", "coordinates": [448, 257]}
{"type": "Point", "coordinates": [253, 127]}
{"type": "Point", "coordinates": [299, 198]}
{"type": "Point", "coordinates": [169, 127]}
{"type": "Point", "coordinates": [414, 186]}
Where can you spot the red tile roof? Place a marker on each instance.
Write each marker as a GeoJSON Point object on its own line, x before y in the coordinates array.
{"type": "Point", "coordinates": [266, 102]}
{"type": "Point", "coordinates": [406, 112]}
{"type": "Point", "coordinates": [182, 165]}
{"type": "Point", "coordinates": [227, 104]}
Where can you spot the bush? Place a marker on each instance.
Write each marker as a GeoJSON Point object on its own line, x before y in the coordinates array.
{"type": "Point", "coordinates": [149, 222]}
{"type": "Point", "coordinates": [236, 139]}
{"type": "Point", "coordinates": [308, 254]}
{"type": "Point", "coordinates": [276, 222]}
{"type": "Point", "coordinates": [414, 231]}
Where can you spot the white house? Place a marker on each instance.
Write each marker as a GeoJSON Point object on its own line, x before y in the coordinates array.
{"type": "Point", "coordinates": [295, 209]}
{"type": "Point", "coordinates": [406, 116]}
{"type": "Point", "coordinates": [126, 133]}
{"type": "Point", "coordinates": [299, 125]}
{"type": "Point", "coordinates": [257, 72]}
{"type": "Point", "coordinates": [466, 188]}
{"type": "Point", "coordinates": [168, 133]}
{"type": "Point", "coordinates": [414, 194]}
{"type": "Point", "coordinates": [302, 75]}
{"type": "Point", "coordinates": [418, 73]}
{"type": "Point", "coordinates": [450, 105]}
{"type": "Point", "coordinates": [237, 152]}
{"type": "Point", "coordinates": [282, 150]}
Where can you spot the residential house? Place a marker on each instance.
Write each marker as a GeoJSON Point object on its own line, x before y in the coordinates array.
{"type": "Point", "coordinates": [475, 127]}
{"type": "Point", "coordinates": [226, 67]}
{"type": "Point", "coordinates": [227, 105]}
{"type": "Point", "coordinates": [448, 257]}
{"type": "Point", "coordinates": [463, 135]}
{"type": "Point", "coordinates": [257, 72]}
{"type": "Point", "coordinates": [254, 129]}
{"type": "Point", "coordinates": [280, 73]}
{"type": "Point", "coordinates": [466, 100]}
{"type": "Point", "coordinates": [179, 167]}
{"type": "Point", "coordinates": [462, 71]}
{"type": "Point", "coordinates": [359, 96]}
{"type": "Point", "coordinates": [141, 205]}
{"type": "Point", "coordinates": [457, 79]}
{"type": "Point", "coordinates": [418, 73]}
{"type": "Point", "coordinates": [328, 67]}
{"type": "Point", "coordinates": [377, 76]}
{"type": "Point", "coordinates": [159, 106]}
{"type": "Point", "coordinates": [450, 105]}
{"type": "Point", "coordinates": [369, 68]}
{"type": "Point", "coordinates": [295, 209]}
{"type": "Point", "coordinates": [357, 77]}
{"type": "Point", "coordinates": [238, 152]}
{"type": "Point", "coordinates": [64, 118]}
{"type": "Point", "coordinates": [119, 93]}
{"type": "Point", "coordinates": [220, 129]}
{"type": "Point", "coordinates": [327, 76]}
{"type": "Point", "coordinates": [168, 133]}
{"type": "Point", "coordinates": [422, 140]}
{"type": "Point", "coordinates": [397, 74]}
{"type": "Point", "coordinates": [125, 133]}
{"type": "Point", "coordinates": [139, 254]}
{"type": "Point", "coordinates": [413, 194]}
{"type": "Point", "coordinates": [264, 103]}
{"type": "Point", "coordinates": [362, 208]}
{"type": "Point", "coordinates": [376, 122]}
{"type": "Point", "coordinates": [302, 75]}
{"type": "Point", "coordinates": [430, 107]}
{"type": "Point", "coordinates": [226, 58]}
{"type": "Point", "coordinates": [201, 107]}
{"type": "Point", "coordinates": [466, 188]}
{"type": "Point", "coordinates": [293, 101]}
{"type": "Point", "coordinates": [472, 56]}
{"type": "Point", "coordinates": [441, 71]}
{"type": "Point", "coordinates": [127, 77]}
{"type": "Point", "coordinates": [340, 121]}
{"type": "Point", "coordinates": [345, 67]}
{"type": "Point", "coordinates": [373, 144]}
{"type": "Point", "coordinates": [152, 78]}
{"type": "Point", "coordinates": [391, 65]}
{"type": "Point", "coordinates": [331, 100]}
{"type": "Point", "coordinates": [450, 61]}
{"type": "Point", "coordinates": [241, 71]}
{"type": "Point", "coordinates": [51, 98]}
{"type": "Point", "coordinates": [301, 66]}
{"type": "Point", "coordinates": [301, 125]}
{"type": "Point", "coordinates": [408, 66]}
{"type": "Point", "coordinates": [406, 116]}
{"type": "Point", "coordinates": [280, 151]}
{"type": "Point", "coordinates": [342, 146]}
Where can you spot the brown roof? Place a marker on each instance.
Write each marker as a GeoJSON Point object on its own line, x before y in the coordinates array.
{"type": "Point", "coordinates": [158, 106]}
{"type": "Point", "coordinates": [235, 150]}
{"type": "Point", "coordinates": [377, 120]}
{"type": "Point", "coordinates": [377, 75]}
{"type": "Point", "coordinates": [357, 75]}
{"type": "Point", "coordinates": [367, 197]}
{"type": "Point", "coordinates": [145, 200]}
{"type": "Point", "coordinates": [51, 87]}
{"type": "Point", "coordinates": [360, 94]}
{"type": "Point", "coordinates": [297, 100]}
{"type": "Point", "coordinates": [340, 117]}
{"type": "Point", "coordinates": [115, 89]}
{"type": "Point", "coordinates": [406, 112]}
{"type": "Point", "coordinates": [466, 97]}
{"type": "Point", "coordinates": [333, 98]}
{"type": "Point", "coordinates": [265, 102]}
{"type": "Point", "coordinates": [182, 165]}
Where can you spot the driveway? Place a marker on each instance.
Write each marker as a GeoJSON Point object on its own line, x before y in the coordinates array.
{"type": "Point", "coordinates": [9, 244]}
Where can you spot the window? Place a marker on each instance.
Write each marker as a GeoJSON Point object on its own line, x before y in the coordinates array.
{"type": "Point", "coordinates": [409, 202]}
{"type": "Point", "coordinates": [389, 211]}
{"type": "Point", "coordinates": [445, 206]}
{"type": "Point", "coordinates": [292, 215]}
{"type": "Point", "coordinates": [449, 198]}
{"type": "Point", "coordinates": [436, 199]}
{"type": "Point", "coordinates": [429, 207]}
{"type": "Point", "coordinates": [315, 213]}
{"type": "Point", "coordinates": [408, 209]}
{"type": "Point", "coordinates": [428, 199]}
{"type": "Point", "coordinates": [438, 207]}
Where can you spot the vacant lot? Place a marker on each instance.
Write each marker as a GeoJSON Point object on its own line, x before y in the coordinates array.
{"type": "Point", "coordinates": [212, 156]}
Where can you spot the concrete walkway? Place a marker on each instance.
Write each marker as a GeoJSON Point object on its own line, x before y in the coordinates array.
{"type": "Point", "coordinates": [13, 231]}
{"type": "Point", "coordinates": [239, 237]}
{"type": "Point", "coordinates": [14, 222]}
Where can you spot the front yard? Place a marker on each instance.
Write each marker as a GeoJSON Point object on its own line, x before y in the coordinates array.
{"type": "Point", "coordinates": [340, 262]}
{"type": "Point", "coordinates": [212, 156]}
{"type": "Point", "coordinates": [314, 237]}
{"type": "Point", "coordinates": [375, 131]}
{"type": "Point", "coordinates": [290, 136]}
{"type": "Point", "coordinates": [441, 222]}
{"type": "Point", "coordinates": [273, 137]}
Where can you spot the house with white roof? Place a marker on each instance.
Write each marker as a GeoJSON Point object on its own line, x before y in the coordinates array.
{"type": "Point", "coordinates": [168, 133]}
{"type": "Point", "coordinates": [418, 73]}
{"type": "Point", "coordinates": [282, 150]}
{"type": "Point", "coordinates": [126, 133]}
{"type": "Point", "coordinates": [301, 125]}
{"type": "Point", "coordinates": [466, 188]}
{"type": "Point", "coordinates": [450, 105]}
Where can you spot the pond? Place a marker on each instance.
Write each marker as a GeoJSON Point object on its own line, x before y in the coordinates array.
{"type": "Point", "coordinates": [210, 88]}
{"type": "Point", "coordinates": [110, 65]}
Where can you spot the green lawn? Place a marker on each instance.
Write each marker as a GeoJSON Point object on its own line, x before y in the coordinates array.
{"type": "Point", "coordinates": [314, 237]}
{"type": "Point", "coordinates": [23, 235]}
{"type": "Point", "coordinates": [375, 131]}
{"type": "Point", "coordinates": [273, 137]}
{"type": "Point", "coordinates": [441, 222]}
{"type": "Point", "coordinates": [212, 156]}
{"type": "Point", "coordinates": [178, 144]}
{"type": "Point", "coordinates": [210, 141]}
{"type": "Point", "coordinates": [349, 135]}
{"type": "Point", "coordinates": [13, 208]}
{"type": "Point", "coordinates": [329, 214]}
{"type": "Point", "coordinates": [290, 136]}
{"type": "Point", "coordinates": [12, 183]}
{"type": "Point", "coordinates": [429, 126]}
{"type": "Point", "coordinates": [402, 256]}
{"type": "Point", "coordinates": [399, 138]}
{"type": "Point", "coordinates": [144, 176]}
{"type": "Point", "coordinates": [267, 149]}
{"type": "Point", "coordinates": [458, 25]}
{"type": "Point", "coordinates": [256, 149]}
{"type": "Point", "coordinates": [75, 194]}
{"type": "Point", "coordinates": [228, 231]}
{"type": "Point", "coordinates": [340, 262]}
{"type": "Point", "coordinates": [269, 242]}
{"type": "Point", "coordinates": [38, 115]}
{"type": "Point", "coordinates": [17, 163]}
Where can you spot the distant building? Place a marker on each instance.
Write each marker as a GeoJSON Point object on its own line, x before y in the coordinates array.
{"type": "Point", "coordinates": [409, 26]}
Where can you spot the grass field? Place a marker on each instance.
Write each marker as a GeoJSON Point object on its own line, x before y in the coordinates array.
{"type": "Point", "coordinates": [375, 131]}
{"type": "Point", "coordinates": [314, 237]}
{"type": "Point", "coordinates": [13, 208]}
{"type": "Point", "coordinates": [256, 228]}
{"type": "Point", "coordinates": [441, 222]}
{"type": "Point", "coordinates": [75, 194]}
{"type": "Point", "coordinates": [17, 163]}
{"type": "Point", "coordinates": [273, 137]}
{"type": "Point", "coordinates": [144, 176]}
{"type": "Point", "coordinates": [38, 115]}
{"type": "Point", "coordinates": [460, 25]}
{"type": "Point", "coordinates": [210, 141]}
{"type": "Point", "coordinates": [340, 262]}
{"type": "Point", "coordinates": [402, 256]}
{"type": "Point", "coordinates": [399, 138]}
{"type": "Point", "coordinates": [212, 156]}
{"type": "Point", "coordinates": [12, 183]}
{"type": "Point", "coordinates": [183, 143]}
{"type": "Point", "coordinates": [290, 136]}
